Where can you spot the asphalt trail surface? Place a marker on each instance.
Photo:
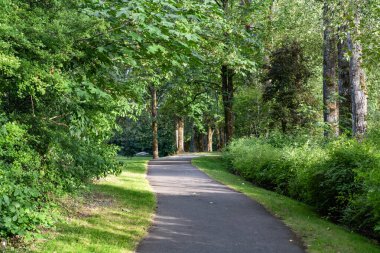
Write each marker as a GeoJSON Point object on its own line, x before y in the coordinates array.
{"type": "Point", "coordinates": [195, 214]}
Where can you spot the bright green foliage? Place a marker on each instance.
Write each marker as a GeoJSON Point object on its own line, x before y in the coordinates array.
{"type": "Point", "coordinates": [339, 178]}
{"type": "Point", "coordinates": [250, 112]}
{"type": "Point", "coordinates": [24, 185]}
{"type": "Point", "coordinates": [135, 135]}
{"type": "Point", "coordinates": [70, 71]}
{"type": "Point", "coordinates": [58, 100]}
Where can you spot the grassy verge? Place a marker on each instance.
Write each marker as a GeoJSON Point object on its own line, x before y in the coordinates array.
{"type": "Point", "coordinates": [319, 235]}
{"type": "Point", "coordinates": [112, 217]}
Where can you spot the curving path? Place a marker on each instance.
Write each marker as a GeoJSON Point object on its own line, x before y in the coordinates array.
{"type": "Point", "coordinates": [195, 214]}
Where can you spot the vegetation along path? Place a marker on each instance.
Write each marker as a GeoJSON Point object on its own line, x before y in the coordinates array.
{"type": "Point", "coordinates": [197, 214]}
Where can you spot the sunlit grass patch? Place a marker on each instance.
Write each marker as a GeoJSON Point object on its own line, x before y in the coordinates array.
{"type": "Point", "coordinates": [112, 217]}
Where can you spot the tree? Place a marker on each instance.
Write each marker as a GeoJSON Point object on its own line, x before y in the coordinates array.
{"type": "Point", "coordinates": [330, 86]}
{"type": "Point", "coordinates": [345, 107]}
{"type": "Point", "coordinates": [237, 26]}
{"type": "Point", "coordinates": [288, 89]}
{"type": "Point", "coordinates": [153, 94]}
{"type": "Point", "coordinates": [357, 76]}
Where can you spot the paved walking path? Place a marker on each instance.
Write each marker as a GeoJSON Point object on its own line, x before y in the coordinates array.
{"type": "Point", "coordinates": [195, 214]}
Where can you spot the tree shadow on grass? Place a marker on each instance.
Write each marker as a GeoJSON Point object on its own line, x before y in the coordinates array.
{"type": "Point", "coordinates": [115, 227]}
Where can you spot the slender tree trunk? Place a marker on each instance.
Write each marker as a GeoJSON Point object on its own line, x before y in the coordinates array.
{"type": "Point", "coordinates": [195, 138]}
{"type": "Point", "coordinates": [284, 126]}
{"type": "Point", "coordinates": [227, 74]}
{"type": "Point", "coordinates": [192, 141]}
{"type": "Point", "coordinates": [153, 93]}
{"type": "Point", "coordinates": [227, 96]}
{"type": "Point", "coordinates": [218, 139]}
{"type": "Point", "coordinates": [187, 146]}
{"type": "Point", "coordinates": [345, 107]}
{"type": "Point", "coordinates": [358, 82]}
{"type": "Point", "coordinates": [176, 134]}
{"type": "Point", "coordinates": [330, 87]}
{"type": "Point", "coordinates": [181, 127]}
{"type": "Point", "coordinates": [222, 138]}
{"type": "Point", "coordinates": [210, 133]}
{"type": "Point", "coordinates": [203, 142]}
{"type": "Point", "coordinates": [198, 138]}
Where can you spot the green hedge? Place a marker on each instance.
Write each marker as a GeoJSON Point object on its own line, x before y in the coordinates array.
{"type": "Point", "coordinates": [341, 179]}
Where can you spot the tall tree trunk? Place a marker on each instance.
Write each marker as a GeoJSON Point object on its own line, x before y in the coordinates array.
{"type": "Point", "coordinates": [345, 107]}
{"type": "Point", "coordinates": [210, 133]}
{"type": "Point", "coordinates": [358, 82]}
{"type": "Point", "coordinates": [176, 134]}
{"type": "Point", "coordinates": [153, 93]}
{"type": "Point", "coordinates": [227, 96]}
{"type": "Point", "coordinates": [227, 74]}
{"type": "Point", "coordinates": [218, 139]}
{"type": "Point", "coordinates": [330, 87]}
{"type": "Point", "coordinates": [222, 138]}
{"type": "Point", "coordinates": [192, 141]}
{"type": "Point", "coordinates": [198, 141]}
{"type": "Point", "coordinates": [284, 124]}
{"type": "Point", "coordinates": [181, 127]}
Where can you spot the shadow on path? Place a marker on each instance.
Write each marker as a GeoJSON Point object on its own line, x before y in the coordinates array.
{"type": "Point", "coordinates": [195, 214]}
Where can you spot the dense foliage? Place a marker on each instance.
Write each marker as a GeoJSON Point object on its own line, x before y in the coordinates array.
{"type": "Point", "coordinates": [79, 76]}
{"type": "Point", "coordinates": [339, 178]}
{"type": "Point", "coordinates": [58, 102]}
{"type": "Point", "coordinates": [286, 88]}
{"type": "Point", "coordinates": [69, 72]}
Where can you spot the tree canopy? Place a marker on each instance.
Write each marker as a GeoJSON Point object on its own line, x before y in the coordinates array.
{"type": "Point", "coordinates": [83, 80]}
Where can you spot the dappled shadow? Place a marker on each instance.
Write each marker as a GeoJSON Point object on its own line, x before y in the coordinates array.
{"type": "Point", "coordinates": [115, 226]}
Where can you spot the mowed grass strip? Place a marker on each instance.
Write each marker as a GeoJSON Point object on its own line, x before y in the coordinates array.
{"type": "Point", "coordinates": [112, 217]}
{"type": "Point", "coordinates": [319, 235]}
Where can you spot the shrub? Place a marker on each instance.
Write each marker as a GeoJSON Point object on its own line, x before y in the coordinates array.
{"type": "Point", "coordinates": [304, 161]}
{"type": "Point", "coordinates": [341, 179]}
{"type": "Point", "coordinates": [29, 181]}
{"type": "Point", "coordinates": [333, 184]}
{"type": "Point", "coordinates": [260, 163]}
{"type": "Point", "coordinates": [368, 202]}
{"type": "Point", "coordinates": [23, 196]}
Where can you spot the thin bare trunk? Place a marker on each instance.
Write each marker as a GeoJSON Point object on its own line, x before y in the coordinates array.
{"type": "Point", "coordinates": [358, 82]}
{"type": "Point", "coordinates": [176, 134]}
{"type": "Point", "coordinates": [153, 93]}
{"type": "Point", "coordinates": [330, 87]}
{"type": "Point", "coordinates": [210, 134]}
{"type": "Point", "coordinates": [180, 144]}
{"type": "Point", "coordinates": [227, 96]}
{"type": "Point", "coordinates": [192, 141]}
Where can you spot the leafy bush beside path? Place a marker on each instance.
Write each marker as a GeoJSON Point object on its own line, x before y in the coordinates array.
{"type": "Point", "coordinates": [341, 179]}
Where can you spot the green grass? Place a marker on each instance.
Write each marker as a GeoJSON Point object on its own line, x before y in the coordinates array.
{"type": "Point", "coordinates": [113, 217]}
{"type": "Point", "coordinates": [319, 235]}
